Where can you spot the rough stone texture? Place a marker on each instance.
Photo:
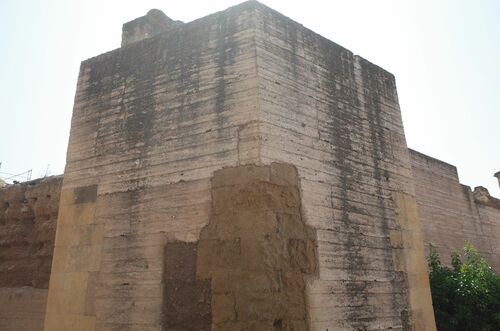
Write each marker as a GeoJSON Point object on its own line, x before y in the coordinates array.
{"type": "Point", "coordinates": [28, 214]}
{"type": "Point", "coordinates": [256, 250]}
{"type": "Point", "coordinates": [154, 120]}
{"type": "Point", "coordinates": [22, 308]}
{"type": "Point", "coordinates": [187, 300]}
{"type": "Point", "coordinates": [450, 213]}
{"type": "Point", "coordinates": [153, 23]}
{"type": "Point", "coordinates": [483, 197]}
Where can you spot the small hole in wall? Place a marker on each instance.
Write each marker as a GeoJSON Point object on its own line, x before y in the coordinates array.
{"type": "Point", "coordinates": [6, 205]}
{"type": "Point", "coordinates": [48, 196]}
{"type": "Point", "coordinates": [278, 324]}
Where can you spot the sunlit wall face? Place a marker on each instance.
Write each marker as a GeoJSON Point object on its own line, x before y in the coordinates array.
{"type": "Point", "coordinates": [443, 54]}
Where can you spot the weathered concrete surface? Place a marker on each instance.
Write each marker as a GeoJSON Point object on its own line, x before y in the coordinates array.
{"type": "Point", "coordinates": [336, 117]}
{"type": "Point", "coordinates": [451, 213]}
{"type": "Point", "coordinates": [152, 121]}
{"type": "Point", "coordinates": [151, 124]}
{"type": "Point", "coordinates": [28, 214]}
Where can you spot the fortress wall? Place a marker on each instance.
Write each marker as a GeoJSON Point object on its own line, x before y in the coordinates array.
{"type": "Point", "coordinates": [336, 117]}
{"type": "Point", "coordinates": [28, 214]}
{"type": "Point", "coordinates": [490, 218]}
{"type": "Point", "coordinates": [152, 121]}
{"type": "Point", "coordinates": [449, 213]}
{"type": "Point", "coordinates": [235, 172]}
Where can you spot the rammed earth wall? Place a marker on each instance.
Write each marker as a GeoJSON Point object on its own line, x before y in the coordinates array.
{"type": "Point", "coordinates": [28, 220]}
{"type": "Point", "coordinates": [449, 213]}
{"type": "Point", "coordinates": [153, 124]}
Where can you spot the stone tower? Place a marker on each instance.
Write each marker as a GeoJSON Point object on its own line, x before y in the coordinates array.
{"type": "Point", "coordinates": [238, 172]}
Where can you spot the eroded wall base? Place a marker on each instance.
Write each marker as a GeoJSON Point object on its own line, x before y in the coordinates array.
{"type": "Point", "coordinates": [249, 269]}
{"type": "Point", "coordinates": [256, 251]}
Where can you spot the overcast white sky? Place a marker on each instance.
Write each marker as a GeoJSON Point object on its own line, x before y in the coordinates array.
{"type": "Point", "coordinates": [445, 56]}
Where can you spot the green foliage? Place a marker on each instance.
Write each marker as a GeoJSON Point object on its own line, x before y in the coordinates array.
{"type": "Point", "coordinates": [465, 297]}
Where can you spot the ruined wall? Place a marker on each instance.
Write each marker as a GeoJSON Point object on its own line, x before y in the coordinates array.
{"type": "Point", "coordinates": [28, 214]}
{"type": "Point", "coordinates": [147, 26]}
{"type": "Point", "coordinates": [450, 214]}
{"type": "Point", "coordinates": [257, 251]}
{"type": "Point", "coordinates": [248, 270]}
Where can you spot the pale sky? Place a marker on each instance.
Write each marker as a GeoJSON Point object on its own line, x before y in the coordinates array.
{"type": "Point", "coordinates": [445, 56]}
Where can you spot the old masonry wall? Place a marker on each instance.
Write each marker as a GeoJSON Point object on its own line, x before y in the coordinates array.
{"type": "Point", "coordinates": [28, 220]}
{"type": "Point", "coordinates": [451, 213]}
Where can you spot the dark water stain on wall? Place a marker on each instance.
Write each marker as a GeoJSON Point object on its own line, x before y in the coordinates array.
{"type": "Point", "coordinates": [226, 48]}
{"type": "Point", "coordinates": [345, 126]}
{"type": "Point", "coordinates": [187, 300]}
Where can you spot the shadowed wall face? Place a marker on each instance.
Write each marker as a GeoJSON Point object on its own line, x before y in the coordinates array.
{"type": "Point", "coordinates": [187, 301]}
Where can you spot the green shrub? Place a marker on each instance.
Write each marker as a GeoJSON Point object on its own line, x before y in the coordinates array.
{"type": "Point", "coordinates": [466, 297]}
